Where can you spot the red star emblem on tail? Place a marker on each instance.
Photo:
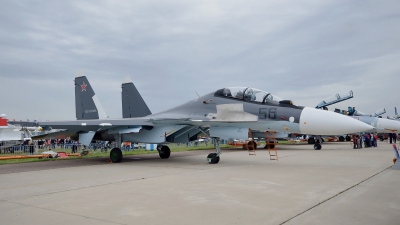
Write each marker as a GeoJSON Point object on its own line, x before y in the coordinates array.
{"type": "Point", "coordinates": [83, 86]}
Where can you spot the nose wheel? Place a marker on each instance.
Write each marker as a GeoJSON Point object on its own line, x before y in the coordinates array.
{"type": "Point", "coordinates": [213, 158]}
{"type": "Point", "coordinates": [317, 146]}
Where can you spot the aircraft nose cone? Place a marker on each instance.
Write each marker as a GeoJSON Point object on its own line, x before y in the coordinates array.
{"type": "Point", "coordinates": [388, 125]}
{"type": "Point", "coordinates": [321, 122]}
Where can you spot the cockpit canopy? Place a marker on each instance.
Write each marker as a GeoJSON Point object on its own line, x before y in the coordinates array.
{"type": "Point", "coordinates": [247, 94]}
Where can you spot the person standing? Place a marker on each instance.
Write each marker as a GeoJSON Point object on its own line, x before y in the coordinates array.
{"type": "Point", "coordinates": [355, 141]}
{"type": "Point", "coordinates": [75, 147]}
{"type": "Point", "coordinates": [367, 140]}
{"type": "Point", "coordinates": [372, 140]}
{"type": "Point", "coordinates": [376, 139]}
{"type": "Point", "coordinates": [390, 138]}
{"type": "Point", "coordinates": [31, 148]}
{"type": "Point", "coordinates": [394, 137]}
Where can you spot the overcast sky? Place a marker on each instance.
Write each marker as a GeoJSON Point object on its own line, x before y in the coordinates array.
{"type": "Point", "coordinates": [298, 50]}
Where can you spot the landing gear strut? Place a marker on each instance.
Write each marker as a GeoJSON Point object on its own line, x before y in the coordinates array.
{"type": "Point", "coordinates": [163, 151]}
{"type": "Point", "coordinates": [317, 146]}
{"type": "Point", "coordinates": [213, 158]}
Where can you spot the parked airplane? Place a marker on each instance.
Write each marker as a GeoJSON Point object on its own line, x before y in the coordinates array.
{"type": "Point", "coordinates": [133, 105]}
{"type": "Point", "coordinates": [380, 125]}
{"type": "Point", "coordinates": [9, 133]}
{"type": "Point", "coordinates": [225, 113]}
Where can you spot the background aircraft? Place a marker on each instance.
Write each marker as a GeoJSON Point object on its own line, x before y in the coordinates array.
{"type": "Point", "coordinates": [225, 113]}
{"type": "Point", "coordinates": [396, 115]}
{"type": "Point", "coordinates": [380, 124]}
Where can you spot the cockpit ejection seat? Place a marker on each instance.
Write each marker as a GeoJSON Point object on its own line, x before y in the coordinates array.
{"type": "Point", "coordinates": [227, 92]}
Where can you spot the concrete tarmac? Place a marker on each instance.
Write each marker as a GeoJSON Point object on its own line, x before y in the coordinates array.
{"type": "Point", "coordinates": [336, 185]}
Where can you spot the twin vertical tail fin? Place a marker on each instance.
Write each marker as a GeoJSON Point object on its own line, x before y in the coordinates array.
{"type": "Point", "coordinates": [133, 104]}
{"type": "Point", "coordinates": [87, 105]}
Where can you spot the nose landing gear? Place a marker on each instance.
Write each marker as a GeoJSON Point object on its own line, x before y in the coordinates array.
{"type": "Point", "coordinates": [213, 158]}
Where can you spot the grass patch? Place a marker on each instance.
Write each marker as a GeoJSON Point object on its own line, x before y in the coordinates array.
{"type": "Point", "coordinates": [100, 154]}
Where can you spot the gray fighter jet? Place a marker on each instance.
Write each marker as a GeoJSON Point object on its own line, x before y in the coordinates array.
{"type": "Point", "coordinates": [381, 125]}
{"type": "Point", "coordinates": [225, 113]}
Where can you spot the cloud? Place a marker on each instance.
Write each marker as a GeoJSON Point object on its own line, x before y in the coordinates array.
{"type": "Point", "coordinates": [303, 51]}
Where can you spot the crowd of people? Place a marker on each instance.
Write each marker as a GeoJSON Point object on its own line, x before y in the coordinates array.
{"type": "Point", "coordinates": [371, 139]}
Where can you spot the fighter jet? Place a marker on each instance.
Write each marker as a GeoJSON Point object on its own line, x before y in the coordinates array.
{"type": "Point", "coordinates": [226, 113]}
{"type": "Point", "coordinates": [380, 125]}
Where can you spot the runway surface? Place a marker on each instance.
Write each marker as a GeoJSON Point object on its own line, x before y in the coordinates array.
{"type": "Point", "coordinates": [336, 185]}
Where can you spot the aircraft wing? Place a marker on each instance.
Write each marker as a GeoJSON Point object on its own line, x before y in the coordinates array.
{"type": "Point", "coordinates": [99, 124]}
{"type": "Point", "coordinates": [24, 123]}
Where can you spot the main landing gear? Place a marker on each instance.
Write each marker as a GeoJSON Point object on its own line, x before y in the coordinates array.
{"type": "Point", "coordinates": [213, 158]}
{"type": "Point", "coordinates": [116, 155]}
{"type": "Point", "coordinates": [163, 151]}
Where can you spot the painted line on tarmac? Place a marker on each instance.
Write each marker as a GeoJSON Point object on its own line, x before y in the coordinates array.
{"type": "Point", "coordinates": [52, 210]}
{"type": "Point", "coordinates": [334, 196]}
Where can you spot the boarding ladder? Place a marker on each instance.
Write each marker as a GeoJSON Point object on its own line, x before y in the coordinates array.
{"type": "Point", "coordinates": [270, 138]}
{"type": "Point", "coordinates": [251, 145]}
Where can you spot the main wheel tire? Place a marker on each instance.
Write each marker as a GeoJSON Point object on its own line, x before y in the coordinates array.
{"type": "Point", "coordinates": [341, 138]}
{"type": "Point", "coordinates": [116, 155]}
{"type": "Point", "coordinates": [317, 146]}
{"type": "Point", "coordinates": [348, 138]}
{"type": "Point", "coordinates": [311, 141]}
{"type": "Point", "coordinates": [164, 152]}
{"type": "Point", "coordinates": [213, 158]}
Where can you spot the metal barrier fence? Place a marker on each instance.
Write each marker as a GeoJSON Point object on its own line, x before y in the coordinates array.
{"type": "Point", "coordinates": [35, 149]}
{"type": "Point", "coordinates": [99, 147]}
